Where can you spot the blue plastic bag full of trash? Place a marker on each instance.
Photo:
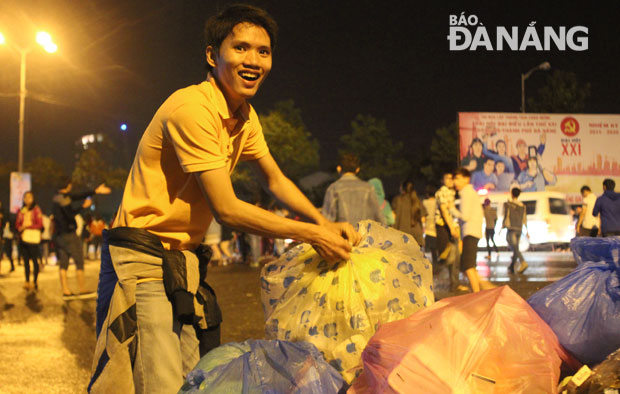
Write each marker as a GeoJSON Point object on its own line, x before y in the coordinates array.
{"type": "Point", "coordinates": [583, 308]}
{"type": "Point", "coordinates": [262, 366]}
{"type": "Point", "coordinates": [596, 249]}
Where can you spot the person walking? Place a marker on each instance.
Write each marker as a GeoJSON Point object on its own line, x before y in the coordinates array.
{"type": "Point", "coordinates": [409, 212]}
{"type": "Point", "coordinates": [515, 218]}
{"type": "Point", "coordinates": [430, 232]}
{"type": "Point", "coordinates": [608, 207]}
{"type": "Point", "coordinates": [351, 199]}
{"type": "Point", "coordinates": [470, 215]}
{"type": "Point", "coordinates": [29, 225]}
{"type": "Point", "coordinates": [490, 218]}
{"type": "Point", "coordinates": [67, 242]}
{"type": "Point", "coordinates": [448, 232]}
{"type": "Point", "coordinates": [384, 205]}
{"type": "Point", "coordinates": [587, 224]}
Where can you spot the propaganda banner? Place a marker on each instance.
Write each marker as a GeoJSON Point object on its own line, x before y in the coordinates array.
{"type": "Point", "coordinates": [20, 184]}
{"type": "Point", "coordinates": [556, 152]}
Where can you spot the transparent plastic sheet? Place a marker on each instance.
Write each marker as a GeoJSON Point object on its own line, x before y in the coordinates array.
{"type": "Point", "coordinates": [486, 342]}
{"type": "Point", "coordinates": [259, 366]}
{"type": "Point", "coordinates": [583, 308]}
{"type": "Point", "coordinates": [338, 307]}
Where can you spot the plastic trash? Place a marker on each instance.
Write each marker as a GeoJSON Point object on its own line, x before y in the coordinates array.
{"type": "Point", "coordinates": [603, 379]}
{"type": "Point", "coordinates": [583, 308]}
{"type": "Point", "coordinates": [596, 249]}
{"type": "Point", "coordinates": [259, 366]}
{"type": "Point", "coordinates": [338, 307]}
{"type": "Point", "coordinates": [486, 342]}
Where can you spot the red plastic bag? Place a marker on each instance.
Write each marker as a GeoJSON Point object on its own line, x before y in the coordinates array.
{"type": "Point", "coordinates": [487, 342]}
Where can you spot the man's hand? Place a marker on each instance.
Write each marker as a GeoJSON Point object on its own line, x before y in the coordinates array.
{"type": "Point", "coordinates": [103, 189]}
{"type": "Point", "coordinates": [346, 231]}
{"type": "Point", "coordinates": [330, 242]}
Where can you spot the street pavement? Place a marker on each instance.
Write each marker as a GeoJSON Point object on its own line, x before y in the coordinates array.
{"type": "Point", "coordinates": [46, 344]}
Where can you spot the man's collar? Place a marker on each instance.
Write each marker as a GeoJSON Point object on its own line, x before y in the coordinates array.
{"type": "Point", "coordinates": [222, 106]}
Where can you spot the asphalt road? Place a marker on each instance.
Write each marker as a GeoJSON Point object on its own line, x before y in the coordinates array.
{"type": "Point", "coordinates": [46, 344]}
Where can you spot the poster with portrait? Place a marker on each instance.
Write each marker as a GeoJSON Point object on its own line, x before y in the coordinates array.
{"type": "Point", "coordinates": [556, 152]}
{"type": "Point", "coordinates": [20, 184]}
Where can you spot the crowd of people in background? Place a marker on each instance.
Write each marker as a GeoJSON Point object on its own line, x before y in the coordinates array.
{"type": "Point", "coordinates": [29, 237]}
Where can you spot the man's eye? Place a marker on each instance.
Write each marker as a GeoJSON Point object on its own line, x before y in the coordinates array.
{"type": "Point", "coordinates": [265, 52]}
{"type": "Point", "coordinates": [239, 48]}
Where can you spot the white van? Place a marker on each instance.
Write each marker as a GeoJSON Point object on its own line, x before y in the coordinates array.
{"type": "Point", "coordinates": [548, 219]}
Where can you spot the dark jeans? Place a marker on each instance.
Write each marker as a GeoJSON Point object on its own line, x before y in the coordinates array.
{"type": "Point", "coordinates": [489, 233]}
{"type": "Point", "coordinates": [430, 246]}
{"type": "Point", "coordinates": [30, 252]}
{"type": "Point", "coordinates": [588, 232]}
{"type": "Point", "coordinates": [513, 237]}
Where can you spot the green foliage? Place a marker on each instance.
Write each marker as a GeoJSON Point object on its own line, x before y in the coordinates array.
{"type": "Point", "coordinates": [45, 172]}
{"type": "Point", "coordinates": [562, 93]}
{"type": "Point", "coordinates": [443, 153]}
{"type": "Point", "coordinates": [379, 155]}
{"type": "Point", "coordinates": [291, 145]}
{"type": "Point", "coordinates": [92, 169]}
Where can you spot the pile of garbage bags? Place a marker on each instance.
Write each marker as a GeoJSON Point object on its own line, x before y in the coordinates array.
{"type": "Point", "coordinates": [487, 342]}
{"type": "Point", "coordinates": [259, 366]}
{"type": "Point", "coordinates": [603, 379]}
{"type": "Point", "coordinates": [339, 307]}
{"type": "Point", "coordinates": [583, 308]}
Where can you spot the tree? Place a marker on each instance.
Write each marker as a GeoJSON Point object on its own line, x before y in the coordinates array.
{"type": "Point", "coordinates": [91, 170]}
{"type": "Point", "coordinates": [291, 145]}
{"type": "Point", "coordinates": [562, 93]}
{"type": "Point", "coordinates": [379, 155]}
{"type": "Point", "coordinates": [45, 172]}
{"type": "Point", "coordinates": [443, 153]}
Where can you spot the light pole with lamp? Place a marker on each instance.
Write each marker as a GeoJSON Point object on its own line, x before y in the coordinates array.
{"type": "Point", "coordinates": [45, 40]}
{"type": "Point", "coordinates": [542, 66]}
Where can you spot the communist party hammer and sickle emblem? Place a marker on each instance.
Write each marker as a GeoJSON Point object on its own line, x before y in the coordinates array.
{"type": "Point", "coordinates": [569, 126]}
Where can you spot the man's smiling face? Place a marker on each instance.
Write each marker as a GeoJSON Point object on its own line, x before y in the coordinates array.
{"type": "Point", "coordinates": [242, 63]}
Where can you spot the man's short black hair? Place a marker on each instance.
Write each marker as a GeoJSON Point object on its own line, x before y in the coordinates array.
{"type": "Point", "coordinates": [609, 184]}
{"type": "Point", "coordinates": [476, 140]}
{"type": "Point", "coordinates": [462, 171]}
{"type": "Point", "coordinates": [515, 192]}
{"type": "Point", "coordinates": [348, 162]}
{"type": "Point", "coordinates": [584, 188]}
{"type": "Point", "coordinates": [219, 26]}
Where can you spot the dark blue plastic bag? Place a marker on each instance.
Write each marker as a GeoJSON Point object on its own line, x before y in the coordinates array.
{"type": "Point", "coordinates": [583, 308]}
{"type": "Point", "coordinates": [596, 249]}
{"type": "Point", "coordinates": [260, 366]}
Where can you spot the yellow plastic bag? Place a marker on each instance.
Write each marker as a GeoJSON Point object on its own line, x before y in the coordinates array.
{"type": "Point", "coordinates": [339, 307]}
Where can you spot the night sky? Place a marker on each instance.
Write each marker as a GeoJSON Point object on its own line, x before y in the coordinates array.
{"type": "Point", "coordinates": [118, 61]}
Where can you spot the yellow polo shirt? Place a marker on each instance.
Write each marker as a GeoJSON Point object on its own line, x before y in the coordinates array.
{"type": "Point", "coordinates": [192, 131]}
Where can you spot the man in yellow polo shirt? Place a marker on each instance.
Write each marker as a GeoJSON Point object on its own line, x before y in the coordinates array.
{"type": "Point", "coordinates": [151, 285]}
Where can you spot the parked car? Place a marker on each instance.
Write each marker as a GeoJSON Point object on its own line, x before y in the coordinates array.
{"type": "Point", "coordinates": [549, 219]}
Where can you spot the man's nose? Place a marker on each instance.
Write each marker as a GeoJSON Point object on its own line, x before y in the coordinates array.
{"type": "Point", "coordinates": [251, 58]}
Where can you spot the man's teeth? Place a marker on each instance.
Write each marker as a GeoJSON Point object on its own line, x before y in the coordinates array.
{"type": "Point", "coordinates": [249, 76]}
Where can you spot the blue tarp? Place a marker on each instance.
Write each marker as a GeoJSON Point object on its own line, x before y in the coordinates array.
{"type": "Point", "coordinates": [261, 366]}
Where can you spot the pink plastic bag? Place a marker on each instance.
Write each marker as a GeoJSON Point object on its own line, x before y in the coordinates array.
{"type": "Point", "coordinates": [487, 342]}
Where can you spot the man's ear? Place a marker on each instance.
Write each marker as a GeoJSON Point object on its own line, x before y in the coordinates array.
{"type": "Point", "coordinates": [211, 56]}
{"type": "Point", "coordinates": [357, 170]}
{"type": "Point", "coordinates": [339, 169]}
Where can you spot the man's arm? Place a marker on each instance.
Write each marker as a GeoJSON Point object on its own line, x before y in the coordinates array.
{"type": "Point", "coordinates": [231, 211]}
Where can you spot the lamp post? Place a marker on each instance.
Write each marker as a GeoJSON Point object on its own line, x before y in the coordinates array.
{"type": "Point", "coordinates": [45, 40]}
{"type": "Point", "coordinates": [542, 66]}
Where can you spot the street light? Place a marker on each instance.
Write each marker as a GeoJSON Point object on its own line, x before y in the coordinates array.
{"type": "Point", "coordinates": [45, 40]}
{"type": "Point", "coordinates": [542, 66]}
